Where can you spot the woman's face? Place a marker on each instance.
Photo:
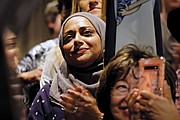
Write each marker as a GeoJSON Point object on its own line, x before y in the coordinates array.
{"type": "Point", "coordinates": [119, 108]}
{"type": "Point", "coordinates": [11, 49]}
{"type": "Point", "coordinates": [119, 92]}
{"type": "Point", "coordinates": [82, 44]}
{"type": "Point", "coordinates": [92, 6]}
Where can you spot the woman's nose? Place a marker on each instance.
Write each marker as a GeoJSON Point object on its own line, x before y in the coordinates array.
{"type": "Point", "coordinates": [78, 40]}
{"type": "Point", "coordinates": [93, 2]}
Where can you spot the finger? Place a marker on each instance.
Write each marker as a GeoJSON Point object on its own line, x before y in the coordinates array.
{"type": "Point", "coordinates": [67, 98]}
{"type": "Point", "coordinates": [86, 92]}
{"type": "Point", "coordinates": [143, 108]}
{"type": "Point", "coordinates": [167, 91]}
{"type": "Point", "coordinates": [143, 105]}
{"type": "Point", "coordinates": [133, 99]}
{"type": "Point", "coordinates": [143, 102]}
{"type": "Point", "coordinates": [73, 93]}
{"type": "Point", "coordinates": [83, 100]}
{"type": "Point", "coordinates": [38, 78]}
{"type": "Point", "coordinates": [67, 103]}
{"type": "Point", "coordinates": [76, 84]}
{"type": "Point", "coordinates": [79, 97]}
{"type": "Point", "coordinates": [81, 89]}
{"type": "Point", "coordinates": [146, 94]}
{"type": "Point", "coordinates": [40, 69]}
{"type": "Point", "coordinates": [78, 87]}
{"type": "Point", "coordinates": [130, 95]}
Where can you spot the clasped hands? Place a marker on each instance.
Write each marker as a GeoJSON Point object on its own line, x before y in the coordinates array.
{"type": "Point", "coordinates": [78, 103]}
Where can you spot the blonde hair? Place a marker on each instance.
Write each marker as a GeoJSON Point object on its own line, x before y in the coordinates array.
{"type": "Point", "coordinates": [76, 8]}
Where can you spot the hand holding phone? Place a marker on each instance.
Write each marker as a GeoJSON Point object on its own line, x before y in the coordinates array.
{"type": "Point", "coordinates": [152, 75]}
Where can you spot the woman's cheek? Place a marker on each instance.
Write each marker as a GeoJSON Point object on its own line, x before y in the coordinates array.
{"type": "Point", "coordinates": [117, 99]}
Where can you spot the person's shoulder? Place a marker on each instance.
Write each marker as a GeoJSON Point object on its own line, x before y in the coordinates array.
{"type": "Point", "coordinates": [43, 108]}
{"type": "Point", "coordinates": [43, 46]}
{"type": "Point", "coordinates": [41, 97]}
{"type": "Point", "coordinates": [43, 93]}
{"type": "Point", "coordinates": [50, 43]}
{"type": "Point", "coordinates": [44, 90]}
{"type": "Point", "coordinates": [55, 50]}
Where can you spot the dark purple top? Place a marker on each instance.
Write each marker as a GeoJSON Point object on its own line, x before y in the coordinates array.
{"type": "Point", "coordinates": [43, 109]}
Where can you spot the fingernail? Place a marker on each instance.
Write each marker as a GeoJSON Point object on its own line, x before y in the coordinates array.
{"type": "Point", "coordinates": [143, 91]}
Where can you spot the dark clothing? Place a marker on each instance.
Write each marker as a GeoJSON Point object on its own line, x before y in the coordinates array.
{"type": "Point", "coordinates": [43, 109]}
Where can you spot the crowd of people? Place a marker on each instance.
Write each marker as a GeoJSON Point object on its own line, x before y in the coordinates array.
{"type": "Point", "coordinates": [65, 78]}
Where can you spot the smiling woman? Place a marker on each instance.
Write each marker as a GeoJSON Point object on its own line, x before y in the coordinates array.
{"type": "Point", "coordinates": [81, 42]}
{"type": "Point", "coordinates": [11, 49]}
{"type": "Point", "coordinates": [117, 97]}
{"type": "Point", "coordinates": [74, 85]}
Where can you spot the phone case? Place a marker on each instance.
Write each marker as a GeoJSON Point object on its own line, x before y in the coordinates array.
{"type": "Point", "coordinates": [152, 75]}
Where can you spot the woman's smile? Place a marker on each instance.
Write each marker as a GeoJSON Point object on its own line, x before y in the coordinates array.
{"type": "Point", "coordinates": [80, 51]}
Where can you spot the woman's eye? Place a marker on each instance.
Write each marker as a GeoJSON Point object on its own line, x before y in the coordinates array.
{"type": "Point", "coordinates": [11, 45]}
{"type": "Point", "coordinates": [87, 33]}
{"type": "Point", "coordinates": [67, 38]}
{"type": "Point", "coordinates": [122, 87]}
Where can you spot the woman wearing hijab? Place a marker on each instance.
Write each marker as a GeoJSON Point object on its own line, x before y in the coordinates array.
{"type": "Point", "coordinates": [91, 6]}
{"type": "Point", "coordinates": [71, 93]}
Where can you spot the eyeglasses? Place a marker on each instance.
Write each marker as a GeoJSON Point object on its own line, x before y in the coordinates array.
{"type": "Point", "coordinates": [120, 90]}
{"type": "Point", "coordinates": [177, 100]}
{"type": "Point", "coordinates": [123, 88]}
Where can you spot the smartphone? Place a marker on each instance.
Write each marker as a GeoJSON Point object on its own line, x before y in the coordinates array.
{"type": "Point", "coordinates": [151, 74]}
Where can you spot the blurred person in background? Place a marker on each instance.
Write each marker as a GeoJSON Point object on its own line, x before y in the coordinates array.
{"type": "Point", "coordinates": [92, 6]}
{"type": "Point", "coordinates": [11, 50]}
{"type": "Point", "coordinates": [5, 102]}
{"type": "Point", "coordinates": [31, 66]}
{"type": "Point", "coordinates": [53, 18]}
{"type": "Point", "coordinates": [173, 22]}
{"type": "Point", "coordinates": [11, 108]}
{"type": "Point", "coordinates": [170, 33]}
{"type": "Point", "coordinates": [168, 40]}
{"type": "Point", "coordinates": [8, 11]}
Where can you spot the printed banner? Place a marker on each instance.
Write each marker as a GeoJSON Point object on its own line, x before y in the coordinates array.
{"type": "Point", "coordinates": [136, 22]}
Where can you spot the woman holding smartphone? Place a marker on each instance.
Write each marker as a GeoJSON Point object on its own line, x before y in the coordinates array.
{"type": "Point", "coordinates": [117, 98]}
